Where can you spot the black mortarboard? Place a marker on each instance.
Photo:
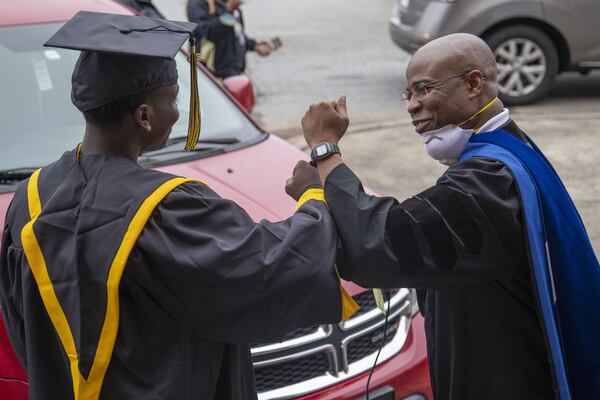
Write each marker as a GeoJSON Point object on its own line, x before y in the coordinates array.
{"type": "Point", "coordinates": [123, 55]}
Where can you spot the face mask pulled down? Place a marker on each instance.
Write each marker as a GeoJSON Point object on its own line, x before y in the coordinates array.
{"type": "Point", "coordinates": [448, 143]}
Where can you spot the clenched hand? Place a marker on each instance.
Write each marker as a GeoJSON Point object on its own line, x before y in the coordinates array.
{"type": "Point", "coordinates": [303, 178]}
{"type": "Point", "coordinates": [263, 48]}
{"type": "Point", "coordinates": [325, 121]}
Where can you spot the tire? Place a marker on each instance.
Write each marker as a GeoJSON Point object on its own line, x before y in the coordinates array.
{"type": "Point", "coordinates": [527, 63]}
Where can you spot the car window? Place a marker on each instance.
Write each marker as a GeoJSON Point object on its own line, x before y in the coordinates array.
{"type": "Point", "coordinates": [38, 122]}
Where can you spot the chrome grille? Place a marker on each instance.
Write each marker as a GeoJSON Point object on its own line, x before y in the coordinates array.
{"type": "Point", "coordinates": [312, 358]}
{"type": "Point", "coordinates": [291, 372]}
{"type": "Point", "coordinates": [301, 332]}
{"type": "Point", "coordinates": [366, 301]}
{"type": "Point", "coordinates": [370, 342]}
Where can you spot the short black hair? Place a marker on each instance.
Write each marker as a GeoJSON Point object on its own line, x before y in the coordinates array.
{"type": "Point", "coordinates": [111, 114]}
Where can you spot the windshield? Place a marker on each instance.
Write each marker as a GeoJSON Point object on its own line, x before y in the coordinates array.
{"type": "Point", "coordinates": [38, 122]}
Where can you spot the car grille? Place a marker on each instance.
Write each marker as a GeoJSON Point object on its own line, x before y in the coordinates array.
{"type": "Point", "coordinates": [291, 372]}
{"type": "Point", "coordinates": [301, 332]}
{"type": "Point", "coordinates": [370, 342]}
{"type": "Point", "coordinates": [312, 358]}
{"type": "Point", "coordinates": [366, 301]}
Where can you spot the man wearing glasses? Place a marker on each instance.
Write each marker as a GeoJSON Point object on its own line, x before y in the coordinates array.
{"type": "Point", "coordinates": [506, 276]}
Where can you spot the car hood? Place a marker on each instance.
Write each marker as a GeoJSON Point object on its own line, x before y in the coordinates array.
{"type": "Point", "coordinates": [254, 177]}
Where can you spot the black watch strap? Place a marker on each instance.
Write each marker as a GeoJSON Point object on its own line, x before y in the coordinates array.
{"type": "Point", "coordinates": [322, 151]}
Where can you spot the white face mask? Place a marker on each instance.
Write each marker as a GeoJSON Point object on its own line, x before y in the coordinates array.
{"type": "Point", "coordinates": [448, 143]}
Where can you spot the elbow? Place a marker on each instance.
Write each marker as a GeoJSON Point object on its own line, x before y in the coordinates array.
{"type": "Point", "coordinates": [354, 261]}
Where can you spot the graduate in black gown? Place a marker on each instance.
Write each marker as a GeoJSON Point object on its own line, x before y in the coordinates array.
{"type": "Point", "coordinates": [118, 282]}
{"type": "Point", "coordinates": [511, 311]}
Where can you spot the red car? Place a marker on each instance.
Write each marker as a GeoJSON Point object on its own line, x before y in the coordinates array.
{"type": "Point", "coordinates": [240, 161]}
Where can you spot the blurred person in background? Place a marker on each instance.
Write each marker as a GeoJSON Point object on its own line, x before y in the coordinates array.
{"type": "Point", "coordinates": [144, 7]}
{"type": "Point", "coordinates": [222, 37]}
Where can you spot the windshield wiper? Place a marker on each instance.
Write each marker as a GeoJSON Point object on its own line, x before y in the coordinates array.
{"type": "Point", "coordinates": [209, 147]}
{"type": "Point", "coordinates": [221, 140]}
{"type": "Point", "coordinates": [10, 176]}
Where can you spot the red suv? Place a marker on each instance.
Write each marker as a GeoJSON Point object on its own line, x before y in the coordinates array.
{"type": "Point", "coordinates": [241, 162]}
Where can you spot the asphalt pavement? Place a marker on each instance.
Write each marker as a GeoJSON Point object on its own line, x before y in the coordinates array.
{"type": "Point", "coordinates": [342, 46]}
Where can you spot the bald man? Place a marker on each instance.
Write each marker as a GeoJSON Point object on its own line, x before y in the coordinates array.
{"type": "Point", "coordinates": [506, 276]}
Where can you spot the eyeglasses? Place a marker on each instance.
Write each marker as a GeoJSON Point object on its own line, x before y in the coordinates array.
{"type": "Point", "coordinates": [421, 89]}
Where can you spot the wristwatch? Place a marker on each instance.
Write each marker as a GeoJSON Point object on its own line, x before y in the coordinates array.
{"type": "Point", "coordinates": [322, 151]}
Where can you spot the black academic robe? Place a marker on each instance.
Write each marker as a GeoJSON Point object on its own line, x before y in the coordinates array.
{"type": "Point", "coordinates": [202, 282]}
{"type": "Point", "coordinates": [462, 244]}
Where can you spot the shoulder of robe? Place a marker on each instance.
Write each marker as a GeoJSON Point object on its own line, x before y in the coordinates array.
{"type": "Point", "coordinates": [195, 188]}
{"type": "Point", "coordinates": [463, 194]}
{"type": "Point", "coordinates": [188, 195]}
{"type": "Point", "coordinates": [478, 172]}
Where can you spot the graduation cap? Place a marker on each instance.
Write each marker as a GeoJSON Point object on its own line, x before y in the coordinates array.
{"type": "Point", "coordinates": [124, 55]}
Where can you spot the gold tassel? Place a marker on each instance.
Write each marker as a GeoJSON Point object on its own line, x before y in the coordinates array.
{"type": "Point", "coordinates": [379, 300]}
{"type": "Point", "coordinates": [194, 122]}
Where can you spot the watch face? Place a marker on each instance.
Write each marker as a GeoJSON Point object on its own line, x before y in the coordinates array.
{"type": "Point", "coordinates": [321, 150]}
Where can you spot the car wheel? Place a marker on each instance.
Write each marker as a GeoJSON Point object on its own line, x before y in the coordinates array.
{"type": "Point", "coordinates": [527, 63]}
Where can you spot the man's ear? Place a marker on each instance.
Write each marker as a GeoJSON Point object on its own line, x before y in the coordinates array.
{"type": "Point", "coordinates": [475, 80]}
{"type": "Point", "coordinates": [143, 117]}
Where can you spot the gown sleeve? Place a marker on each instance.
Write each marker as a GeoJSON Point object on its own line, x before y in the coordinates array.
{"type": "Point", "coordinates": [462, 231]}
{"type": "Point", "coordinates": [230, 279]}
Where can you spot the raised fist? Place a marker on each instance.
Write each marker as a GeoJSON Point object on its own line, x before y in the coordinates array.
{"type": "Point", "coordinates": [303, 178]}
{"type": "Point", "coordinates": [326, 121]}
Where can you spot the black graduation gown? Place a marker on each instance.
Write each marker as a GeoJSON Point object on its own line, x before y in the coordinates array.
{"type": "Point", "coordinates": [202, 282]}
{"type": "Point", "coordinates": [462, 243]}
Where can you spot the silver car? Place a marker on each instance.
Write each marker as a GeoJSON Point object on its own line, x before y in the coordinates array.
{"type": "Point", "coordinates": [533, 40]}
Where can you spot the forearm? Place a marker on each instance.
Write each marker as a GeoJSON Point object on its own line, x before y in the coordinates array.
{"type": "Point", "coordinates": [235, 280]}
{"type": "Point", "coordinates": [295, 257]}
{"type": "Point", "coordinates": [250, 44]}
{"type": "Point", "coordinates": [360, 219]}
{"type": "Point", "coordinates": [327, 165]}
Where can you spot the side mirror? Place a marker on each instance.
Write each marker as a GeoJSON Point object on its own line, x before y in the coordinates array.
{"type": "Point", "coordinates": [240, 87]}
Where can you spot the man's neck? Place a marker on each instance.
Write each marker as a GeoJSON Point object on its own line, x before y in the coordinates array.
{"type": "Point", "coordinates": [493, 110]}
{"type": "Point", "coordinates": [111, 142]}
